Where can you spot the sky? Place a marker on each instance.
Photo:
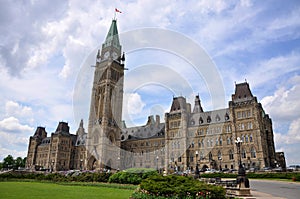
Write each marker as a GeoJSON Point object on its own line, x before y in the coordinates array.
{"type": "Point", "coordinates": [196, 47]}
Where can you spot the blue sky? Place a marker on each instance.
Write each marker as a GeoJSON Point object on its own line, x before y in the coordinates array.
{"type": "Point", "coordinates": [46, 45]}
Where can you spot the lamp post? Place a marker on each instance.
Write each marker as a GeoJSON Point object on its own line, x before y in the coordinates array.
{"type": "Point", "coordinates": [118, 164]}
{"type": "Point", "coordinates": [52, 166]}
{"type": "Point", "coordinates": [238, 143]}
{"type": "Point", "coordinates": [242, 180]}
{"type": "Point", "coordinates": [220, 158]}
{"type": "Point", "coordinates": [81, 160]}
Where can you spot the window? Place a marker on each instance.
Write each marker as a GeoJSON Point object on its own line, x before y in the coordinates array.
{"type": "Point", "coordinates": [217, 141]}
{"type": "Point", "coordinates": [230, 155]}
{"type": "Point", "coordinates": [218, 118]}
{"type": "Point", "coordinates": [219, 155]}
{"type": "Point", "coordinates": [251, 138]}
{"type": "Point", "coordinates": [210, 156]}
{"type": "Point", "coordinates": [226, 117]}
{"type": "Point", "coordinates": [248, 113]}
{"type": "Point", "coordinates": [241, 126]}
{"type": "Point", "coordinates": [246, 138]}
{"type": "Point", "coordinates": [221, 141]}
{"type": "Point", "coordinates": [191, 158]}
{"type": "Point", "coordinates": [228, 128]}
{"type": "Point", "coordinates": [200, 120]}
{"type": "Point", "coordinates": [253, 152]}
{"type": "Point", "coordinates": [201, 155]}
{"type": "Point", "coordinates": [208, 119]}
{"type": "Point", "coordinates": [200, 131]}
{"type": "Point", "coordinates": [249, 125]}
{"type": "Point", "coordinates": [228, 141]}
{"type": "Point", "coordinates": [243, 153]}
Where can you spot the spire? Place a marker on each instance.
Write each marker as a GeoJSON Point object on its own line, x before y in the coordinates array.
{"type": "Point", "coordinates": [80, 130]}
{"type": "Point", "coordinates": [112, 38]}
{"type": "Point", "coordinates": [81, 123]}
{"type": "Point", "coordinates": [197, 107]}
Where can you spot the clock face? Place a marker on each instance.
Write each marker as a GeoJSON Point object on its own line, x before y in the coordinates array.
{"type": "Point", "coordinates": [106, 55]}
{"type": "Point", "coordinates": [115, 55]}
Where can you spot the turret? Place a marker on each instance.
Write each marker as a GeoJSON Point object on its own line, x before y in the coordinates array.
{"type": "Point", "coordinates": [197, 107]}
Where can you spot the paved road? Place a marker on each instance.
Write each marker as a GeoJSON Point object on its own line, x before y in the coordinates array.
{"type": "Point", "coordinates": [289, 190]}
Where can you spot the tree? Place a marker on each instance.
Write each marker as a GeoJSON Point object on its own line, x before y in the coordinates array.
{"type": "Point", "coordinates": [19, 163]}
{"type": "Point", "coordinates": [8, 162]}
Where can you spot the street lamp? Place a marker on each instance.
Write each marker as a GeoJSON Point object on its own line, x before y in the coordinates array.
{"type": "Point", "coordinates": [238, 143]}
{"type": "Point", "coordinates": [242, 180]}
{"type": "Point", "coordinates": [118, 164]}
{"type": "Point", "coordinates": [220, 158]}
{"type": "Point", "coordinates": [81, 160]}
{"type": "Point", "coordinates": [52, 166]}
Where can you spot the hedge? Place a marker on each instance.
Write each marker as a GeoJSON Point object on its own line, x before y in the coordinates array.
{"type": "Point", "coordinates": [57, 177]}
{"type": "Point", "coordinates": [132, 176]}
{"type": "Point", "coordinates": [173, 186]}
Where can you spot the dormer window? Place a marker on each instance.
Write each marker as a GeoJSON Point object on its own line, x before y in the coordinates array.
{"type": "Point", "coordinates": [200, 120]}
{"type": "Point", "coordinates": [218, 118]}
{"type": "Point", "coordinates": [226, 117]}
{"type": "Point", "coordinates": [208, 119]}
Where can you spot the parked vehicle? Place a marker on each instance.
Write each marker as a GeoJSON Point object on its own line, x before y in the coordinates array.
{"type": "Point", "coordinates": [292, 168]}
{"type": "Point", "coordinates": [266, 169]}
{"type": "Point", "coordinates": [277, 169]}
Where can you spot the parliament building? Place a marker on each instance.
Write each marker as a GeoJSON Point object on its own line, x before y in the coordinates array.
{"type": "Point", "coordinates": [188, 137]}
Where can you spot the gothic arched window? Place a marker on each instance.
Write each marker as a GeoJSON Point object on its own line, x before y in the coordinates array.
{"type": "Point", "coordinates": [243, 153]}
{"type": "Point", "coordinates": [253, 152]}
{"type": "Point", "coordinates": [230, 155]}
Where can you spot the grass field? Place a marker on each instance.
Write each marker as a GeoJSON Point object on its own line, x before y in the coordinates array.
{"type": "Point", "coordinates": [41, 190]}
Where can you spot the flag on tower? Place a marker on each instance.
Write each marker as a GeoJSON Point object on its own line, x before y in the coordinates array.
{"type": "Point", "coordinates": [117, 10]}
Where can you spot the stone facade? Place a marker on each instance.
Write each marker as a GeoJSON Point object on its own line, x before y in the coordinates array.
{"type": "Point", "coordinates": [187, 139]}
{"type": "Point", "coordinates": [61, 151]}
{"type": "Point", "coordinates": [205, 139]}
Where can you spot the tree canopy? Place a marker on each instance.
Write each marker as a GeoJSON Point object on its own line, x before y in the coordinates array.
{"type": "Point", "coordinates": [10, 163]}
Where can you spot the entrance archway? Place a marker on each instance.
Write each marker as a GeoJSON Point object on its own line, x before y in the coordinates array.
{"type": "Point", "coordinates": [108, 165]}
{"type": "Point", "coordinates": [91, 163]}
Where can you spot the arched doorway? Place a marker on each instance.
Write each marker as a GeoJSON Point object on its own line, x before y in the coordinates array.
{"type": "Point", "coordinates": [108, 165]}
{"type": "Point", "coordinates": [91, 163]}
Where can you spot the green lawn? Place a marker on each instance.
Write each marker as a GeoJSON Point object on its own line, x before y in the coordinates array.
{"type": "Point", "coordinates": [41, 190]}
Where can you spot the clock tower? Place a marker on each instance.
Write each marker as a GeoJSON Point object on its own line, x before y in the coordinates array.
{"type": "Point", "coordinates": [104, 128]}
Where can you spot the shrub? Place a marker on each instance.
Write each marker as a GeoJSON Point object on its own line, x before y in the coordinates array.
{"type": "Point", "coordinates": [176, 187]}
{"type": "Point", "coordinates": [132, 176]}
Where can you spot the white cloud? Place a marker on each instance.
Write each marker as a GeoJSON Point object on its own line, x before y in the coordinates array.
{"type": "Point", "coordinates": [15, 109]}
{"type": "Point", "coordinates": [134, 104]}
{"type": "Point", "coordinates": [12, 125]}
{"type": "Point", "coordinates": [283, 103]}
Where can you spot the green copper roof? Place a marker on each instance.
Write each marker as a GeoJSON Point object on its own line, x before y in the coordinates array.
{"type": "Point", "coordinates": [112, 38]}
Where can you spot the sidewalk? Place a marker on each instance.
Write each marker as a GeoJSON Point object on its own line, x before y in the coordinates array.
{"type": "Point", "coordinates": [256, 194]}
